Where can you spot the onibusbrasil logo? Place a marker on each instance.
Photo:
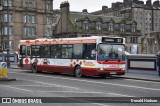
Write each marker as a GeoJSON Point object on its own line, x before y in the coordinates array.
{"type": "Point", "coordinates": [21, 100]}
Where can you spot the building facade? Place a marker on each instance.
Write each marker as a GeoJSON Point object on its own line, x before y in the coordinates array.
{"type": "Point", "coordinates": [24, 19]}
{"type": "Point", "coordinates": [147, 16]}
{"type": "Point", "coordinates": [82, 24]}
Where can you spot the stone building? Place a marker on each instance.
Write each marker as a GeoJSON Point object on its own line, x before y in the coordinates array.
{"type": "Point", "coordinates": [81, 24]}
{"type": "Point", "coordinates": [147, 16]}
{"type": "Point", "coordinates": [27, 19]}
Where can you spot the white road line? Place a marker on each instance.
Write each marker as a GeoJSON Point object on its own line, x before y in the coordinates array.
{"type": "Point", "coordinates": [142, 81]}
{"type": "Point", "coordinates": [30, 85]}
{"type": "Point", "coordinates": [34, 86]}
{"type": "Point", "coordinates": [56, 85]}
{"type": "Point", "coordinates": [100, 104]}
{"type": "Point", "coordinates": [97, 82]}
{"type": "Point", "coordinates": [120, 95]}
{"type": "Point", "coordinates": [72, 92]}
{"type": "Point", "coordinates": [17, 88]}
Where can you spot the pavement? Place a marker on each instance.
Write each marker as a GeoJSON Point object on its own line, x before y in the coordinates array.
{"type": "Point", "coordinates": [142, 76]}
{"type": "Point", "coordinates": [14, 66]}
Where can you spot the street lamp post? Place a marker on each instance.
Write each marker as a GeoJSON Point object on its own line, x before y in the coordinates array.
{"type": "Point", "coordinates": [8, 47]}
{"type": "Point", "coordinates": [8, 41]}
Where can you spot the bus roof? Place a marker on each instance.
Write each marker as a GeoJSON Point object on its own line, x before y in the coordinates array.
{"type": "Point", "coordinates": [92, 39]}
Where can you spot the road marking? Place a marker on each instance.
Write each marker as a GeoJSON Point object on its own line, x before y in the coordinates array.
{"type": "Point", "coordinates": [56, 85]}
{"type": "Point", "coordinates": [141, 81]}
{"type": "Point", "coordinates": [71, 92]}
{"type": "Point", "coordinates": [34, 86]}
{"type": "Point", "coordinates": [120, 95]}
{"type": "Point", "coordinates": [31, 85]}
{"type": "Point", "coordinates": [17, 88]}
{"type": "Point", "coordinates": [100, 104]}
{"type": "Point", "coordinates": [97, 82]}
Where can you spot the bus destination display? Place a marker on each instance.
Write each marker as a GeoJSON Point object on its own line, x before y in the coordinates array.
{"type": "Point", "coordinates": [112, 40]}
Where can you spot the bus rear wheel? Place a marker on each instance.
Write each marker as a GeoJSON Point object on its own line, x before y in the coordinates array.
{"type": "Point", "coordinates": [78, 72]}
{"type": "Point", "coordinates": [34, 68]}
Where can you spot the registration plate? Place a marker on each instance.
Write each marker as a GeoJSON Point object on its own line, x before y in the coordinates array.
{"type": "Point", "coordinates": [113, 73]}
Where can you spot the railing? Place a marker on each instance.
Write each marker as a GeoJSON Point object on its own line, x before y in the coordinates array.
{"type": "Point", "coordinates": [13, 58]}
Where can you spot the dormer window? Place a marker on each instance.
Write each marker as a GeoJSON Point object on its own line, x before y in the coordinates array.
{"type": "Point", "coordinates": [79, 24]}
{"type": "Point", "coordinates": [133, 28]}
{"type": "Point", "coordinates": [122, 27]}
{"type": "Point", "coordinates": [92, 25]}
{"type": "Point", "coordinates": [111, 27]}
{"type": "Point", "coordinates": [117, 27]}
{"type": "Point", "coordinates": [99, 26]}
{"type": "Point", "coordinates": [105, 25]}
{"type": "Point", "coordinates": [85, 25]}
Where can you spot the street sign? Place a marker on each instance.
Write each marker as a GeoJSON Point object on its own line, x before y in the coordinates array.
{"type": "Point", "coordinates": [4, 65]}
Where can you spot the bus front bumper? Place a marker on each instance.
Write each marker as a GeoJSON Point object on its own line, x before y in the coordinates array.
{"type": "Point", "coordinates": [98, 71]}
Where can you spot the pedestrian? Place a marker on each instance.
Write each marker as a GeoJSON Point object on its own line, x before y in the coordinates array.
{"type": "Point", "coordinates": [158, 62]}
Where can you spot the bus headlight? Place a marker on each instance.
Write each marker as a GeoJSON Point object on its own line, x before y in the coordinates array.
{"type": "Point", "coordinates": [101, 69]}
{"type": "Point", "coordinates": [122, 69]}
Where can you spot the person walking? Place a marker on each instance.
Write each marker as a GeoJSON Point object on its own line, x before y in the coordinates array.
{"type": "Point", "coordinates": [158, 63]}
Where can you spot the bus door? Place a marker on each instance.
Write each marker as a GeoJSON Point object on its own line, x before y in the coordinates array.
{"type": "Point", "coordinates": [22, 54]}
{"type": "Point", "coordinates": [28, 51]}
{"type": "Point", "coordinates": [66, 50]}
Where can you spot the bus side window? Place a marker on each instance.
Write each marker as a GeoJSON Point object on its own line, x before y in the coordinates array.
{"type": "Point", "coordinates": [67, 51]}
{"type": "Point", "coordinates": [45, 51]}
{"type": "Point", "coordinates": [28, 51]}
{"type": "Point", "coordinates": [87, 49]}
{"type": "Point", "coordinates": [77, 51]}
{"type": "Point", "coordinates": [35, 50]}
{"type": "Point", "coordinates": [56, 51]}
{"type": "Point", "coordinates": [23, 51]}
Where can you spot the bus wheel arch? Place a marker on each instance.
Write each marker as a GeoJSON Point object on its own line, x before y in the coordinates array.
{"type": "Point", "coordinates": [34, 68]}
{"type": "Point", "coordinates": [78, 71]}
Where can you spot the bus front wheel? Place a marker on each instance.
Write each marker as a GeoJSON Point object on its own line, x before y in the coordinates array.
{"type": "Point", "coordinates": [78, 72]}
{"type": "Point", "coordinates": [34, 68]}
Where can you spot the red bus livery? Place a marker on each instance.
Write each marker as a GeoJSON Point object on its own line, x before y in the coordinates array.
{"type": "Point", "coordinates": [90, 56]}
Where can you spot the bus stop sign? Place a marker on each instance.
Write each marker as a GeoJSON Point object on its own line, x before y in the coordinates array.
{"type": "Point", "coordinates": [4, 65]}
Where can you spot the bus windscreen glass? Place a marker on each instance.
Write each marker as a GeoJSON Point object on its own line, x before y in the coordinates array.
{"type": "Point", "coordinates": [111, 52]}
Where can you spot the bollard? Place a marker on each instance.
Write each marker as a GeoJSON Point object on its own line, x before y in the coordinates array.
{"type": "Point", "coordinates": [3, 72]}
{"type": "Point", "coordinates": [3, 69]}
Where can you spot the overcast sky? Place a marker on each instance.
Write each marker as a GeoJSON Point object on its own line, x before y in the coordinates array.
{"type": "Point", "coordinates": [90, 5]}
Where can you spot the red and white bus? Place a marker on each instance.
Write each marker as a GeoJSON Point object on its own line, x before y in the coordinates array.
{"type": "Point", "coordinates": [89, 56]}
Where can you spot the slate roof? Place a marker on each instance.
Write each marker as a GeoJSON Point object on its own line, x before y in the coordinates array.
{"type": "Point", "coordinates": [82, 16]}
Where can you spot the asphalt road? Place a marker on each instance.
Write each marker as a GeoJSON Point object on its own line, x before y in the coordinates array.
{"type": "Point", "coordinates": [29, 84]}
